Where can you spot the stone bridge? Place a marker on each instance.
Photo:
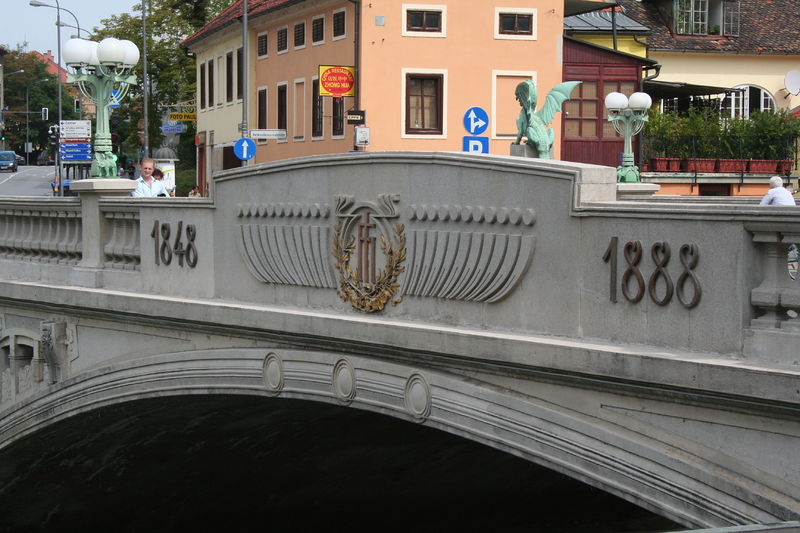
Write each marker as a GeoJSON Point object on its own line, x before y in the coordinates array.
{"type": "Point", "coordinates": [647, 347]}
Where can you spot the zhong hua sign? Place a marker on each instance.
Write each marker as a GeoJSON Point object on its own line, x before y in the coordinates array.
{"type": "Point", "coordinates": [336, 81]}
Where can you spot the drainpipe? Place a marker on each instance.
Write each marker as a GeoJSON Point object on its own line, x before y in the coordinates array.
{"type": "Point", "coordinates": [357, 57]}
{"type": "Point", "coordinates": [614, 25]}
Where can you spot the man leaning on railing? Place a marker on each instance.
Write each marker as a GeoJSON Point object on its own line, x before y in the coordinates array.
{"type": "Point", "coordinates": [777, 194]}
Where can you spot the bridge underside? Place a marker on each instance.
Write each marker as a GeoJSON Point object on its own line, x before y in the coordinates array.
{"type": "Point", "coordinates": [234, 462]}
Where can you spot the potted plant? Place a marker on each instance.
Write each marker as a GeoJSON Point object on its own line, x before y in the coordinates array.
{"type": "Point", "coordinates": [771, 140]}
{"type": "Point", "coordinates": [661, 134]}
{"type": "Point", "coordinates": [734, 133]}
{"type": "Point", "coordinates": [702, 127]}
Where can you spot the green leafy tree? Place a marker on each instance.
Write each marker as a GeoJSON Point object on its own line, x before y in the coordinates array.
{"type": "Point", "coordinates": [40, 94]}
{"type": "Point", "coordinates": [171, 72]}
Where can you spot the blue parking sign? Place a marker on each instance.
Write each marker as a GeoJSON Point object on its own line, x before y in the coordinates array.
{"type": "Point", "coordinates": [478, 145]}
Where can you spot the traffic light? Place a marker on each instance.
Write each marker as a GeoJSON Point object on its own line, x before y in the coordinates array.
{"type": "Point", "coordinates": [45, 113]}
{"type": "Point", "coordinates": [77, 107]}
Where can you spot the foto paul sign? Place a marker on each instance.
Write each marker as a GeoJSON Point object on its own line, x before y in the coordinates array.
{"type": "Point", "coordinates": [336, 81]}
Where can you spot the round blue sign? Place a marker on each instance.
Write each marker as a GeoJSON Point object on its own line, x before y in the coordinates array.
{"type": "Point", "coordinates": [245, 148]}
{"type": "Point", "coordinates": [476, 120]}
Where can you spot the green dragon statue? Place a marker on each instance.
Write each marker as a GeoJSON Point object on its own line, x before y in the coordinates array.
{"type": "Point", "coordinates": [533, 124]}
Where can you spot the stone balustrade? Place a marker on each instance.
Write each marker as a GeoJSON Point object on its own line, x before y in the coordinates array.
{"type": "Point", "coordinates": [44, 231]}
{"type": "Point", "coordinates": [531, 247]}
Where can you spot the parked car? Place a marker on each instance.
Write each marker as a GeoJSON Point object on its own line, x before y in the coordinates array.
{"type": "Point", "coordinates": [45, 159]}
{"type": "Point", "coordinates": [20, 159]}
{"type": "Point", "coordinates": [8, 161]}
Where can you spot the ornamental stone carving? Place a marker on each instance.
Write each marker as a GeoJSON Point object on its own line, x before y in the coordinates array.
{"type": "Point", "coordinates": [374, 255]}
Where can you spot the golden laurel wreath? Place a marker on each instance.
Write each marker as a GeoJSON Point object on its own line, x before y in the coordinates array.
{"type": "Point", "coordinates": [369, 297]}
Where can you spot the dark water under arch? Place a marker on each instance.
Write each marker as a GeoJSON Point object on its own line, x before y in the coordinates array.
{"type": "Point", "coordinates": [254, 464]}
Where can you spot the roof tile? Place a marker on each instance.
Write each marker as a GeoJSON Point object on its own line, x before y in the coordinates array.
{"type": "Point", "coordinates": [766, 27]}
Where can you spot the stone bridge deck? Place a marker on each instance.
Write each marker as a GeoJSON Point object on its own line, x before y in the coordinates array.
{"type": "Point", "coordinates": [645, 347]}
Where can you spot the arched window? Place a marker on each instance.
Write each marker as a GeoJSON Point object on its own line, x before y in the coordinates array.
{"type": "Point", "coordinates": [746, 100]}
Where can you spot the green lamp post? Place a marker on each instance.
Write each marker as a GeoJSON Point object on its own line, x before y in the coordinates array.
{"type": "Point", "coordinates": [628, 117]}
{"type": "Point", "coordinates": [101, 70]}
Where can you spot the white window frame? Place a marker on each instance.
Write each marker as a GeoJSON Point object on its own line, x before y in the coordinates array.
{"type": "Point", "coordinates": [264, 88]}
{"type": "Point", "coordinates": [342, 36]}
{"type": "Point", "coordinates": [277, 92]}
{"type": "Point", "coordinates": [202, 75]}
{"type": "Point", "coordinates": [442, 9]}
{"type": "Point", "coordinates": [403, 73]}
{"type": "Point", "coordinates": [302, 99]}
{"type": "Point", "coordinates": [219, 91]}
{"type": "Point", "coordinates": [306, 37]}
{"type": "Point", "coordinates": [741, 101]}
{"type": "Point", "coordinates": [233, 100]}
{"type": "Point", "coordinates": [265, 34]}
{"type": "Point", "coordinates": [344, 119]}
{"type": "Point", "coordinates": [322, 101]}
{"type": "Point", "coordinates": [499, 74]}
{"type": "Point", "coordinates": [515, 11]}
{"type": "Point", "coordinates": [317, 17]}
{"type": "Point", "coordinates": [277, 31]}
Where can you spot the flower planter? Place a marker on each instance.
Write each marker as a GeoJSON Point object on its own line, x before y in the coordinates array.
{"type": "Point", "coordinates": [762, 166]}
{"type": "Point", "coordinates": [659, 164]}
{"type": "Point", "coordinates": [665, 164]}
{"type": "Point", "coordinates": [732, 165]}
{"type": "Point", "coordinates": [697, 164]}
{"type": "Point", "coordinates": [785, 166]}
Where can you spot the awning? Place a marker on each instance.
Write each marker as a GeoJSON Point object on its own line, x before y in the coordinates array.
{"type": "Point", "coordinates": [659, 90]}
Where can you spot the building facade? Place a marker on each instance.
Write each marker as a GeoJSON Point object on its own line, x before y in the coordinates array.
{"type": "Point", "coordinates": [418, 70]}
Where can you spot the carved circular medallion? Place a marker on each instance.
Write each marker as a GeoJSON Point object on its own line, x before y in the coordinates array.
{"type": "Point", "coordinates": [344, 380]}
{"type": "Point", "coordinates": [418, 397]}
{"type": "Point", "coordinates": [273, 373]}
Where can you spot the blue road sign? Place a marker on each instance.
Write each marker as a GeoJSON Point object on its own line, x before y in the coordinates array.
{"type": "Point", "coordinates": [173, 128]}
{"type": "Point", "coordinates": [478, 145]}
{"type": "Point", "coordinates": [114, 99]}
{"type": "Point", "coordinates": [75, 147]}
{"type": "Point", "coordinates": [245, 148]}
{"type": "Point", "coordinates": [87, 156]}
{"type": "Point", "coordinates": [476, 120]}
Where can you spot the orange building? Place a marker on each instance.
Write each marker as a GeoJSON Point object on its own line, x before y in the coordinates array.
{"type": "Point", "coordinates": [418, 69]}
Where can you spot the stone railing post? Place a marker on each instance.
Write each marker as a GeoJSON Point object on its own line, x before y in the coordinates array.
{"type": "Point", "coordinates": [94, 225]}
{"type": "Point", "coordinates": [777, 292]}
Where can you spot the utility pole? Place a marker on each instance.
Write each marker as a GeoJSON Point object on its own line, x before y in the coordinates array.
{"type": "Point", "coordinates": [145, 85]}
{"type": "Point", "coordinates": [244, 66]}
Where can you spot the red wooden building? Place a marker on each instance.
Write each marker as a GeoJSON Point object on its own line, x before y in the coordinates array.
{"type": "Point", "coordinates": [588, 137]}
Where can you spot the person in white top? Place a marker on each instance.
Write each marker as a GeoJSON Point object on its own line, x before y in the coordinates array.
{"type": "Point", "coordinates": [777, 194]}
{"type": "Point", "coordinates": [146, 185]}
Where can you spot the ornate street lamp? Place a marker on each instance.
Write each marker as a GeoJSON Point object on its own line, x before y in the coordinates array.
{"type": "Point", "coordinates": [628, 117]}
{"type": "Point", "coordinates": [100, 69]}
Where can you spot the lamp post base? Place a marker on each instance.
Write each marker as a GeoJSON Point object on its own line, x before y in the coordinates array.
{"type": "Point", "coordinates": [628, 174]}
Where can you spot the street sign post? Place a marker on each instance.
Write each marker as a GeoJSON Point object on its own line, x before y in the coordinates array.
{"type": "Point", "coordinates": [71, 129]}
{"type": "Point", "coordinates": [356, 117]}
{"type": "Point", "coordinates": [245, 148]}
{"type": "Point", "coordinates": [268, 134]}
{"type": "Point", "coordinates": [173, 128]}
{"type": "Point", "coordinates": [476, 121]}
{"type": "Point", "coordinates": [114, 103]}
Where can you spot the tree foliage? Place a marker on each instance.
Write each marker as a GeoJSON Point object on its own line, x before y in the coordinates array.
{"type": "Point", "coordinates": [39, 93]}
{"type": "Point", "coordinates": [170, 71]}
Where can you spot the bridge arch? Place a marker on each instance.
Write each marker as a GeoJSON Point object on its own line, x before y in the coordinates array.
{"type": "Point", "coordinates": [474, 406]}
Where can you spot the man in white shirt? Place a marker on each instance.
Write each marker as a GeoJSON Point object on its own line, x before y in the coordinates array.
{"type": "Point", "coordinates": [777, 194]}
{"type": "Point", "coordinates": [146, 186]}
